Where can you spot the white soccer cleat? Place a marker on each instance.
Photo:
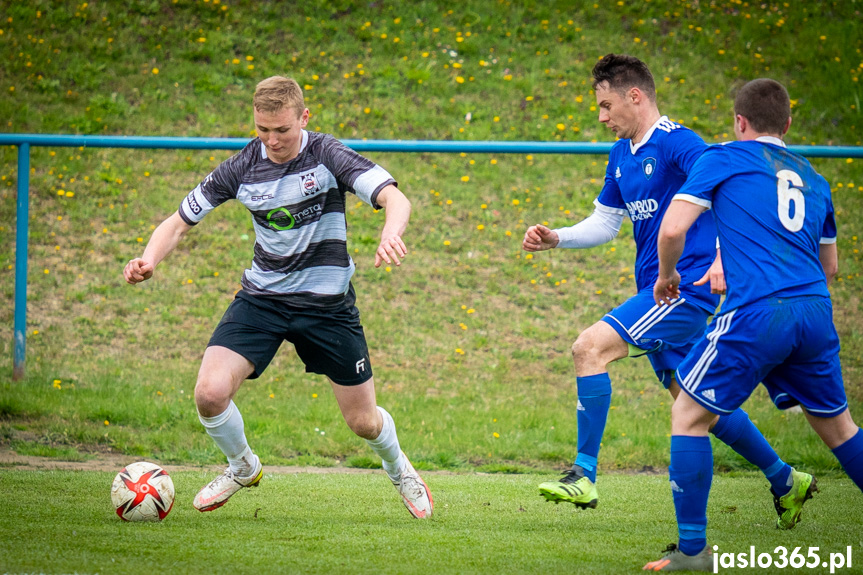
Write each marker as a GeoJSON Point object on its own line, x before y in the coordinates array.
{"type": "Point", "coordinates": [217, 492]}
{"type": "Point", "coordinates": [415, 494]}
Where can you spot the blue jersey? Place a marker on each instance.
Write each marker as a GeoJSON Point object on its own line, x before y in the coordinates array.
{"type": "Point", "coordinates": [772, 211]}
{"type": "Point", "coordinates": [640, 181]}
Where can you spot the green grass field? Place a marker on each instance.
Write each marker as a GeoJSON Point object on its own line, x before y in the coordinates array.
{"type": "Point", "coordinates": [337, 523]}
{"type": "Point", "coordinates": [469, 339]}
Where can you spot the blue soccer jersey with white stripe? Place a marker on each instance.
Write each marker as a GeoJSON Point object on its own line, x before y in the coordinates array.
{"type": "Point", "coordinates": [640, 181]}
{"type": "Point", "coordinates": [772, 211]}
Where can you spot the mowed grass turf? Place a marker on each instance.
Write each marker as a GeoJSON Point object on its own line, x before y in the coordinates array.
{"type": "Point", "coordinates": [63, 522]}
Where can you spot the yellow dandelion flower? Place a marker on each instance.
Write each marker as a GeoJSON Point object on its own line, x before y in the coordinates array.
{"type": "Point", "coordinates": [465, 178]}
{"type": "Point", "coordinates": [496, 434]}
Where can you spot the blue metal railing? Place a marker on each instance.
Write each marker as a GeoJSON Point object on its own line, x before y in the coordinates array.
{"type": "Point", "coordinates": [24, 141]}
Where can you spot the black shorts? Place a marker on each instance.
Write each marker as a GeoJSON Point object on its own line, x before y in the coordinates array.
{"type": "Point", "coordinates": [328, 342]}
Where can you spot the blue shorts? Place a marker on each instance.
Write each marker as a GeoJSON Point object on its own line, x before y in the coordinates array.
{"type": "Point", "coordinates": [664, 333]}
{"type": "Point", "coordinates": [790, 345]}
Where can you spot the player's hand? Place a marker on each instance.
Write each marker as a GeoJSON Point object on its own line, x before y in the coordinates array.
{"type": "Point", "coordinates": [538, 238]}
{"type": "Point", "coordinates": [391, 249]}
{"type": "Point", "coordinates": [715, 275]}
{"type": "Point", "coordinates": [667, 290]}
{"type": "Point", "coordinates": [138, 270]}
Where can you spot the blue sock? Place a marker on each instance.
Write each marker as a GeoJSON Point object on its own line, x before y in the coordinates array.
{"type": "Point", "coordinates": [691, 473]}
{"type": "Point", "coordinates": [594, 399]}
{"type": "Point", "coordinates": [738, 432]}
{"type": "Point", "coordinates": [850, 455]}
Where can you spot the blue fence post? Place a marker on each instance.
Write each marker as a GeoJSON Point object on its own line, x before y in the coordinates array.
{"type": "Point", "coordinates": [21, 235]}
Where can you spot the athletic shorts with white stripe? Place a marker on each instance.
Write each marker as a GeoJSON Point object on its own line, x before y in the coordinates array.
{"type": "Point", "coordinates": [664, 333]}
{"type": "Point", "coordinates": [789, 344]}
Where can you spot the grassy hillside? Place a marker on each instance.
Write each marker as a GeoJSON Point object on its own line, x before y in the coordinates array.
{"type": "Point", "coordinates": [470, 338]}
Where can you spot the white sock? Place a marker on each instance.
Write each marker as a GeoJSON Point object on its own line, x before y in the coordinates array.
{"type": "Point", "coordinates": [226, 429]}
{"type": "Point", "coordinates": [386, 445]}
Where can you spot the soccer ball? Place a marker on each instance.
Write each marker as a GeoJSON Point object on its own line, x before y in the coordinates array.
{"type": "Point", "coordinates": [142, 491]}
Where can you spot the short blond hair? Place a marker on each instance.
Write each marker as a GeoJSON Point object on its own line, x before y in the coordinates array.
{"type": "Point", "coordinates": [276, 93]}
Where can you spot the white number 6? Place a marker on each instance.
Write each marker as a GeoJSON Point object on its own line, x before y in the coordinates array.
{"type": "Point", "coordinates": [787, 194]}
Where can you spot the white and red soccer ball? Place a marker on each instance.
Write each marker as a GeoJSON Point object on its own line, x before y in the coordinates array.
{"type": "Point", "coordinates": [142, 491]}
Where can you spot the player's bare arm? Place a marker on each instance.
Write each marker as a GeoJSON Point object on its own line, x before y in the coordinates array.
{"type": "Point", "coordinates": [715, 275]}
{"type": "Point", "coordinates": [539, 238]}
{"type": "Point", "coordinates": [163, 241]}
{"type": "Point", "coordinates": [678, 218]}
{"type": "Point", "coordinates": [398, 212]}
{"type": "Point", "coordinates": [829, 256]}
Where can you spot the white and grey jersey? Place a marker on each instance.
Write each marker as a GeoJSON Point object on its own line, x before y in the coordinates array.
{"type": "Point", "coordinates": [298, 212]}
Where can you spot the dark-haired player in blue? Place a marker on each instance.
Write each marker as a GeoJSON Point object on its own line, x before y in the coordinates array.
{"type": "Point", "coordinates": [776, 226]}
{"type": "Point", "coordinates": [646, 167]}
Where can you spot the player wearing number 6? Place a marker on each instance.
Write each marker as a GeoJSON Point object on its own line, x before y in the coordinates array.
{"type": "Point", "coordinates": [646, 167]}
{"type": "Point", "coordinates": [775, 221]}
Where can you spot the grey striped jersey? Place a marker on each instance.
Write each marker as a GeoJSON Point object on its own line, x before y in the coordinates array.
{"type": "Point", "coordinates": [298, 212]}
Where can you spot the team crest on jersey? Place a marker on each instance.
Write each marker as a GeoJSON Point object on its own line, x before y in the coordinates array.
{"type": "Point", "coordinates": [309, 184]}
{"type": "Point", "coordinates": [648, 166]}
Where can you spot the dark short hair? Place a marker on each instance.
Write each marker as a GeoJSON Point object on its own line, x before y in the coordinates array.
{"type": "Point", "coordinates": [623, 72]}
{"type": "Point", "coordinates": [765, 103]}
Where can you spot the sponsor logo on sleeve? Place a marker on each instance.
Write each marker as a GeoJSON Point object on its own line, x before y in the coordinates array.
{"type": "Point", "coordinates": [193, 203]}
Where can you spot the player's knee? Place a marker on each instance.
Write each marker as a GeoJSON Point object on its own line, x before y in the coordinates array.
{"type": "Point", "coordinates": [364, 425]}
{"type": "Point", "coordinates": [211, 396]}
{"type": "Point", "coordinates": [584, 349]}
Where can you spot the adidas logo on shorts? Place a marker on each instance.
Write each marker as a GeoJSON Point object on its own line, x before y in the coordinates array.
{"type": "Point", "coordinates": [709, 394]}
